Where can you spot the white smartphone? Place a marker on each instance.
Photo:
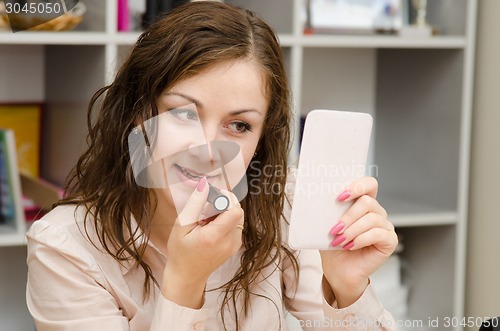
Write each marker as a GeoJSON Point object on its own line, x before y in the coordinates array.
{"type": "Point", "coordinates": [333, 153]}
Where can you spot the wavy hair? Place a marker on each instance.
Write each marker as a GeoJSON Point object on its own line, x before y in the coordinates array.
{"type": "Point", "coordinates": [186, 42]}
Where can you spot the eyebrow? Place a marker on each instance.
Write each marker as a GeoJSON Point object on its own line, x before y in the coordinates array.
{"type": "Point", "coordinates": [199, 104]}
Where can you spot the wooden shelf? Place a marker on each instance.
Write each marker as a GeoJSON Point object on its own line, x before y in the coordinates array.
{"type": "Point", "coordinates": [129, 38]}
{"type": "Point", "coordinates": [375, 41]}
{"type": "Point", "coordinates": [286, 40]}
{"type": "Point", "coordinates": [11, 236]}
{"type": "Point", "coordinates": [425, 219]}
{"type": "Point", "coordinates": [406, 212]}
{"type": "Point", "coordinates": [54, 38]}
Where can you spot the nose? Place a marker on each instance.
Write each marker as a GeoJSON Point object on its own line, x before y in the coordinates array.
{"type": "Point", "coordinates": [203, 147]}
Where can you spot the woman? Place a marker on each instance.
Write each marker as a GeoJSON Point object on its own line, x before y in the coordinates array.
{"type": "Point", "coordinates": [134, 245]}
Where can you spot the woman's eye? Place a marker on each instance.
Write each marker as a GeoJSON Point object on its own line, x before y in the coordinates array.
{"type": "Point", "coordinates": [240, 127]}
{"type": "Point", "coordinates": [184, 114]}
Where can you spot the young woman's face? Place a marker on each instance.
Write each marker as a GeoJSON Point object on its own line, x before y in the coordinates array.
{"type": "Point", "coordinates": [209, 125]}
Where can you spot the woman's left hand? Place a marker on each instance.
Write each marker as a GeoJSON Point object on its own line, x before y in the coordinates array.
{"type": "Point", "coordinates": [366, 238]}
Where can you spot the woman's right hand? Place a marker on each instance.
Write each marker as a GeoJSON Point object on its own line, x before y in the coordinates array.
{"type": "Point", "coordinates": [195, 251]}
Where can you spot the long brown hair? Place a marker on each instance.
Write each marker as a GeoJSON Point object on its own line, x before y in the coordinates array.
{"type": "Point", "coordinates": [186, 42]}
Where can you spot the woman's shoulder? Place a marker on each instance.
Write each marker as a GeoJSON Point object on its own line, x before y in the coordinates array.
{"type": "Point", "coordinates": [63, 237]}
{"type": "Point", "coordinates": [61, 229]}
{"type": "Point", "coordinates": [61, 218]}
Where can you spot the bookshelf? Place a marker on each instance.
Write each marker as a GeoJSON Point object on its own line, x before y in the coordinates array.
{"type": "Point", "coordinates": [419, 91]}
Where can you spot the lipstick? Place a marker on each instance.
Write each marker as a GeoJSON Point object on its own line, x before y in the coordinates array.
{"type": "Point", "coordinates": [217, 199]}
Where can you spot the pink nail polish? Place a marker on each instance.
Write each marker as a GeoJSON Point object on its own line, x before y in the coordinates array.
{"type": "Point", "coordinates": [349, 245]}
{"type": "Point", "coordinates": [338, 240]}
{"type": "Point", "coordinates": [344, 196]}
{"type": "Point", "coordinates": [201, 184]}
{"type": "Point", "coordinates": [337, 228]}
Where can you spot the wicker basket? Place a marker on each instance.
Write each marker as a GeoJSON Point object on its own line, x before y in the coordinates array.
{"type": "Point", "coordinates": [64, 22]}
{"type": "Point", "coordinates": [4, 23]}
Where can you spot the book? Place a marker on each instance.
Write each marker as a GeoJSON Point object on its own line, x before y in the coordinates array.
{"type": "Point", "coordinates": [6, 206]}
{"type": "Point", "coordinates": [157, 8]}
{"type": "Point", "coordinates": [25, 120]}
{"type": "Point", "coordinates": [123, 15]}
{"type": "Point", "coordinates": [11, 212]}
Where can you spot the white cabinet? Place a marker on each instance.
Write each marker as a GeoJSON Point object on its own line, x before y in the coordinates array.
{"type": "Point", "coordinates": [419, 91]}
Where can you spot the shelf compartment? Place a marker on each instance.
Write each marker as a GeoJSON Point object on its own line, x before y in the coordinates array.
{"type": "Point", "coordinates": [13, 310]}
{"type": "Point", "coordinates": [22, 66]}
{"type": "Point", "coordinates": [94, 21]}
{"type": "Point", "coordinates": [418, 116]}
{"type": "Point", "coordinates": [277, 13]}
{"type": "Point", "coordinates": [338, 79]}
{"type": "Point", "coordinates": [73, 75]}
{"type": "Point", "coordinates": [448, 16]}
{"type": "Point", "coordinates": [429, 261]}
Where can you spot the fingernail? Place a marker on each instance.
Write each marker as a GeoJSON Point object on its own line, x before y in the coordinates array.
{"type": "Point", "coordinates": [344, 196]}
{"type": "Point", "coordinates": [337, 228]}
{"type": "Point", "coordinates": [349, 245]}
{"type": "Point", "coordinates": [338, 240]}
{"type": "Point", "coordinates": [201, 184]}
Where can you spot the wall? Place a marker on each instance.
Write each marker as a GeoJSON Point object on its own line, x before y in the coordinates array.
{"type": "Point", "coordinates": [483, 261]}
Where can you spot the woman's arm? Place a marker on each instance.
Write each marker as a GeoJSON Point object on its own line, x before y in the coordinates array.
{"type": "Point", "coordinates": [313, 298]}
{"type": "Point", "coordinates": [68, 290]}
{"type": "Point", "coordinates": [195, 251]}
{"type": "Point", "coordinates": [365, 239]}
{"type": "Point", "coordinates": [313, 303]}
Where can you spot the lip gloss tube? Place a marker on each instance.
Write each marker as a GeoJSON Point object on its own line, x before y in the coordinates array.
{"type": "Point", "coordinates": [217, 199]}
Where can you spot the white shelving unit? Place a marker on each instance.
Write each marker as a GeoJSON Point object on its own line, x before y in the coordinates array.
{"type": "Point", "coordinates": [419, 91]}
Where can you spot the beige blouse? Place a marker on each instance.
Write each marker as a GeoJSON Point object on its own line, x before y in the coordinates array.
{"type": "Point", "coordinates": [73, 285]}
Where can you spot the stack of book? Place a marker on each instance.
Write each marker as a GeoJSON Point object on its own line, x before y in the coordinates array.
{"type": "Point", "coordinates": [135, 15]}
{"type": "Point", "coordinates": [138, 14]}
{"type": "Point", "coordinates": [24, 195]}
{"type": "Point", "coordinates": [10, 191]}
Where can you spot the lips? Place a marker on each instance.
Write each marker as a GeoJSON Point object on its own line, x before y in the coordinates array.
{"type": "Point", "coordinates": [189, 173]}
